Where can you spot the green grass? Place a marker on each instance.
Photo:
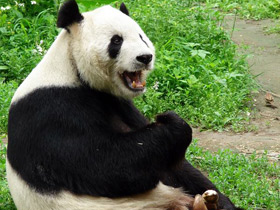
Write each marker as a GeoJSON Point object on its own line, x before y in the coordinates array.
{"type": "Point", "coordinates": [251, 182]}
{"type": "Point", "coordinates": [198, 71]}
{"type": "Point", "coordinates": [250, 9]}
{"type": "Point", "coordinates": [21, 33]}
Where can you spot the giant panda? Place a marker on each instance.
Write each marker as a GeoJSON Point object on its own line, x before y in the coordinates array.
{"type": "Point", "coordinates": [75, 139]}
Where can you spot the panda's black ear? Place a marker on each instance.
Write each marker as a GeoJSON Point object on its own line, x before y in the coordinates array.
{"type": "Point", "coordinates": [68, 14]}
{"type": "Point", "coordinates": [124, 9]}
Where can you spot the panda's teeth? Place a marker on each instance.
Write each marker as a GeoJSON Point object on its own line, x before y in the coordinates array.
{"type": "Point", "coordinates": [134, 84]}
{"type": "Point", "coordinates": [132, 80]}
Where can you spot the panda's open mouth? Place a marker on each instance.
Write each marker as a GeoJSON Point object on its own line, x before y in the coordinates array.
{"type": "Point", "coordinates": [132, 80]}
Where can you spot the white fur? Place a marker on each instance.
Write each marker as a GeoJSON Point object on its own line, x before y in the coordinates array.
{"type": "Point", "coordinates": [25, 198]}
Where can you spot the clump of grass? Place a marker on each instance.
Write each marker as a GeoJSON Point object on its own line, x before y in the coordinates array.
{"type": "Point", "coordinates": [198, 71]}
{"type": "Point", "coordinates": [251, 182]}
{"type": "Point", "coordinates": [273, 29]}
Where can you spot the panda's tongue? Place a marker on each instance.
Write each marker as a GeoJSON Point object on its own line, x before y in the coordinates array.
{"type": "Point", "coordinates": [133, 80]}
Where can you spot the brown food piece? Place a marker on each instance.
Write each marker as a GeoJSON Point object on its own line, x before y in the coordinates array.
{"type": "Point", "coordinates": [199, 203]}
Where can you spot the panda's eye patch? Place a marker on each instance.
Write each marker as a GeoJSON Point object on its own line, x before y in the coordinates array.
{"type": "Point", "coordinates": [115, 46]}
{"type": "Point", "coordinates": [117, 40]}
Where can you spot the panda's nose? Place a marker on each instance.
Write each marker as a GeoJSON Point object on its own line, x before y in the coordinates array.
{"type": "Point", "coordinates": [146, 59]}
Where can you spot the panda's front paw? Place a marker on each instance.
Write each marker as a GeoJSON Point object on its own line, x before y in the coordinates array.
{"type": "Point", "coordinates": [179, 129]}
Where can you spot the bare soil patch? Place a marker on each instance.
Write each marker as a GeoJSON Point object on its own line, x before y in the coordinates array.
{"type": "Point", "coordinates": [264, 60]}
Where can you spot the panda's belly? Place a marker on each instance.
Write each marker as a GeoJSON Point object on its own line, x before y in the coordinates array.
{"type": "Point", "coordinates": [26, 198]}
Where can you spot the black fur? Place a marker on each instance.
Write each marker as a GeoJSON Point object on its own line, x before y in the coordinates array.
{"type": "Point", "coordinates": [68, 14]}
{"type": "Point", "coordinates": [90, 142]}
{"type": "Point", "coordinates": [123, 9]}
{"type": "Point", "coordinates": [115, 46]}
{"type": "Point", "coordinates": [194, 182]}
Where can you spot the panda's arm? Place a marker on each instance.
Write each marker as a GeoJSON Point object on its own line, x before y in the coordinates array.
{"type": "Point", "coordinates": [54, 156]}
{"type": "Point", "coordinates": [61, 141]}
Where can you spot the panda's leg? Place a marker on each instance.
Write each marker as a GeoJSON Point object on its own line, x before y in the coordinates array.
{"type": "Point", "coordinates": [194, 182]}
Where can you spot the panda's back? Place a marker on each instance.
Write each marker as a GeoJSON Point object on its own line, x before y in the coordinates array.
{"type": "Point", "coordinates": [55, 69]}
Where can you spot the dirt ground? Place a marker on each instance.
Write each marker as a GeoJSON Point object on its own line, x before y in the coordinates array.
{"type": "Point", "coordinates": [264, 60]}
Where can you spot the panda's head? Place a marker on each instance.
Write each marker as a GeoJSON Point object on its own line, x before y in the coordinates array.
{"type": "Point", "coordinates": [109, 50]}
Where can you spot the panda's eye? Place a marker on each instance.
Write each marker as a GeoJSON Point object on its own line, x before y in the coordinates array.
{"type": "Point", "coordinates": [117, 40]}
